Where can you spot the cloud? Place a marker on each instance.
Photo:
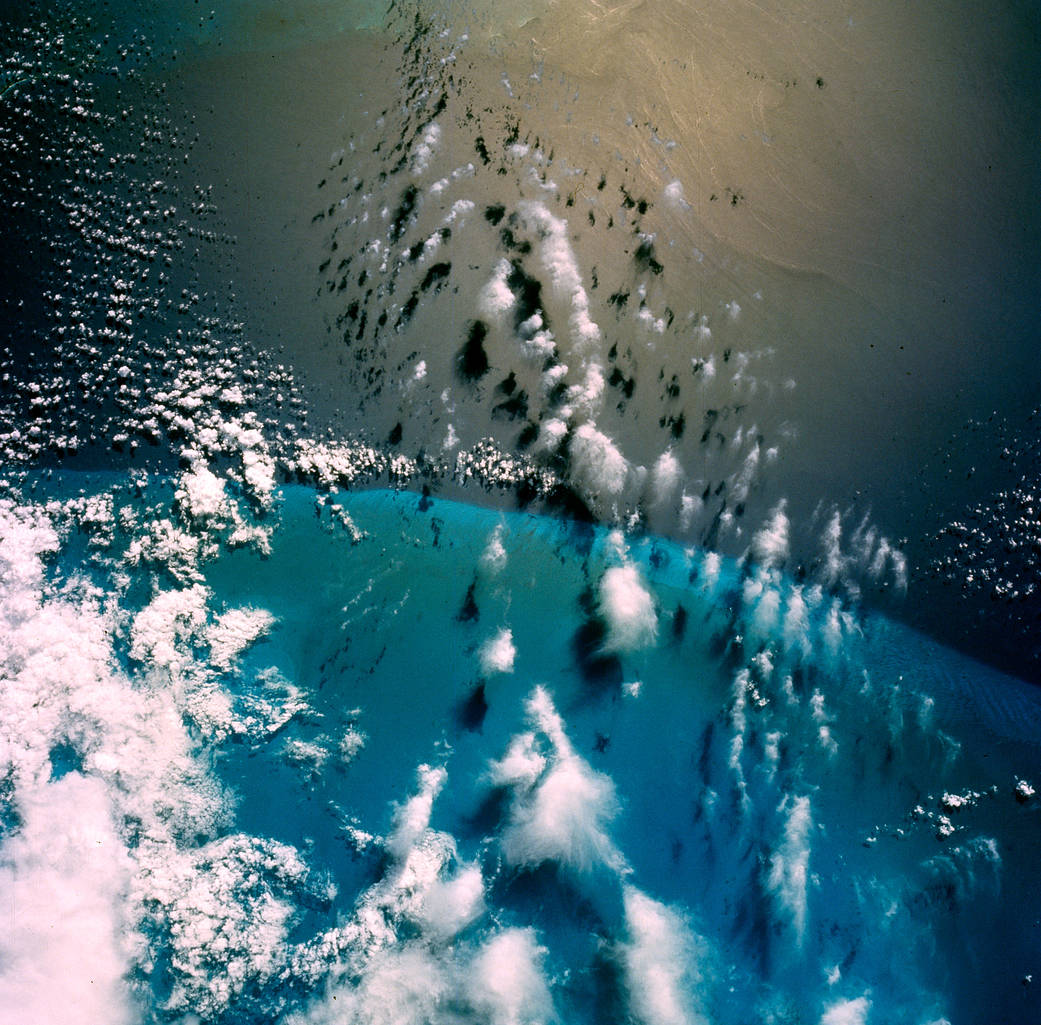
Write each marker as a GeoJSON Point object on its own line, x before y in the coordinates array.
{"type": "Point", "coordinates": [596, 464]}
{"type": "Point", "coordinates": [202, 493]}
{"type": "Point", "coordinates": [770, 542]}
{"type": "Point", "coordinates": [553, 432]}
{"type": "Point", "coordinates": [64, 950]}
{"type": "Point", "coordinates": [399, 986]}
{"type": "Point", "coordinates": [562, 813]}
{"type": "Point", "coordinates": [552, 377]}
{"type": "Point", "coordinates": [536, 341]}
{"type": "Point", "coordinates": [234, 631]}
{"type": "Point", "coordinates": [521, 766]}
{"type": "Point", "coordinates": [351, 743]}
{"type": "Point", "coordinates": [659, 961]}
{"type": "Point", "coordinates": [161, 629]}
{"type": "Point", "coordinates": [412, 818]}
{"type": "Point", "coordinates": [665, 478]}
{"type": "Point", "coordinates": [869, 553]}
{"type": "Point", "coordinates": [496, 298]}
{"type": "Point", "coordinates": [558, 259]}
{"type": "Point", "coordinates": [796, 625]}
{"type": "Point", "coordinates": [497, 653]}
{"type": "Point", "coordinates": [967, 872]}
{"type": "Point", "coordinates": [788, 875]}
{"type": "Point", "coordinates": [227, 908]}
{"type": "Point", "coordinates": [134, 767]}
{"type": "Point", "coordinates": [762, 598]}
{"type": "Point", "coordinates": [564, 819]}
{"type": "Point", "coordinates": [674, 195]}
{"type": "Point", "coordinates": [425, 893]}
{"type": "Point", "coordinates": [628, 610]}
{"type": "Point", "coordinates": [690, 506]}
{"type": "Point", "coordinates": [586, 396]}
{"type": "Point", "coordinates": [507, 985]}
{"type": "Point", "coordinates": [245, 440]}
{"type": "Point", "coordinates": [711, 564]}
{"type": "Point", "coordinates": [746, 476]}
{"type": "Point", "coordinates": [429, 143]}
{"type": "Point", "coordinates": [494, 556]}
{"type": "Point", "coordinates": [831, 542]}
{"type": "Point", "coordinates": [847, 1012]}
{"type": "Point", "coordinates": [450, 905]}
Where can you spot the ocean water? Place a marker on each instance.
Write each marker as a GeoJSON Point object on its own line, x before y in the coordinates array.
{"type": "Point", "coordinates": [519, 514]}
{"type": "Point", "coordinates": [422, 761]}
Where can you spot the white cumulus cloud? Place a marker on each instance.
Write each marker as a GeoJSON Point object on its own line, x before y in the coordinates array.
{"type": "Point", "coordinates": [628, 610]}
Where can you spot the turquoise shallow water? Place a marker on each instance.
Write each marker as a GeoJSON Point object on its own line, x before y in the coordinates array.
{"type": "Point", "coordinates": [763, 815]}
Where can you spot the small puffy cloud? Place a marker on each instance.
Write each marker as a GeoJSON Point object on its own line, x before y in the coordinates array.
{"type": "Point", "coordinates": [597, 464]}
{"type": "Point", "coordinates": [428, 145]}
{"type": "Point", "coordinates": [847, 1012]}
{"type": "Point", "coordinates": [558, 260]}
{"type": "Point", "coordinates": [497, 653]}
{"type": "Point", "coordinates": [351, 743]}
{"type": "Point", "coordinates": [494, 557]}
{"type": "Point", "coordinates": [234, 631]}
{"type": "Point", "coordinates": [788, 878]}
{"type": "Point", "coordinates": [561, 806]}
{"type": "Point", "coordinates": [660, 962]}
{"type": "Point", "coordinates": [201, 493]}
{"type": "Point", "coordinates": [521, 766]}
{"type": "Point", "coordinates": [496, 298]}
{"type": "Point", "coordinates": [412, 819]}
{"type": "Point", "coordinates": [674, 195]}
{"type": "Point", "coordinates": [770, 543]}
{"type": "Point", "coordinates": [665, 478]}
{"type": "Point", "coordinates": [628, 610]}
{"type": "Point", "coordinates": [451, 905]}
{"type": "Point", "coordinates": [507, 984]}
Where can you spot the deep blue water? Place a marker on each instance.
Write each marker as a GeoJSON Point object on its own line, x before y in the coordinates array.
{"type": "Point", "coordinates": [720, 805]}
